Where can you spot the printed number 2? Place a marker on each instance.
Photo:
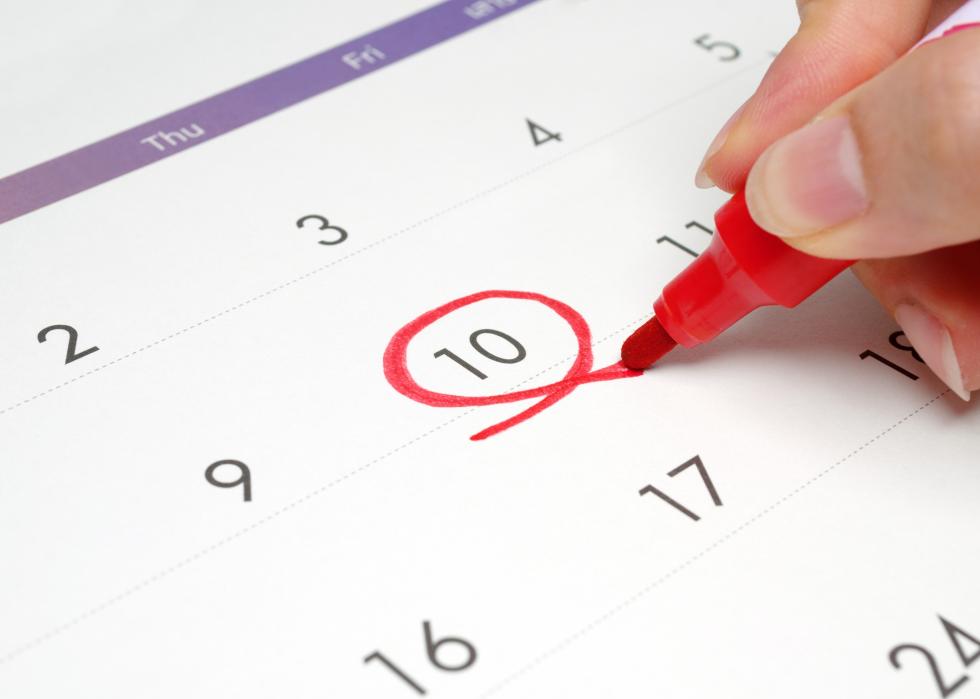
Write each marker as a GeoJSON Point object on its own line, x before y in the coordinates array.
{"type": "Point", "coordinates": [944, 689]}
{"type": "Point", "coordinates": [71, 355]}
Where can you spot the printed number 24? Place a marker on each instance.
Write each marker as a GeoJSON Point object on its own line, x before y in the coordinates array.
{"type": "Point", "coordinates": [961, 641]}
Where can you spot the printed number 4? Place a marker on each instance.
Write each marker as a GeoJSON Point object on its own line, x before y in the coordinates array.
{"type": "Point", "coordinates": [540, 135]}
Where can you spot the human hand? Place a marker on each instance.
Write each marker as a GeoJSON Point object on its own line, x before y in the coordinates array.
{"type": "Point", "coordinates": [852, 149]}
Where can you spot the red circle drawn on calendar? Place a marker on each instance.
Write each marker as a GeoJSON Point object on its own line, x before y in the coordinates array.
{"type": "Point", "coordinates": [398, 375]}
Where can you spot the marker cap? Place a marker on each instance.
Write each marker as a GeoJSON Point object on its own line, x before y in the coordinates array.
{"type": "Point", "coordinates": [742, 269]}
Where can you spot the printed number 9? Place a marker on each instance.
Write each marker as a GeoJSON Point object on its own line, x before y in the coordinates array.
{"type": "Point", "coordinates": [244, 477]}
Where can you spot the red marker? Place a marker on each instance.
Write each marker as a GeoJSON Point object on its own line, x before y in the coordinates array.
{"type": "Point", "coordinates": [744, 268]}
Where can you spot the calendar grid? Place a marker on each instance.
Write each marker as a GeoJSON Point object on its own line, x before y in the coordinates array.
{"type": "Point", "coordinates": [316, 492]}
{"type": "Point", "coordinates": [626, 126]}
{"type": "Point", "coordinates": [612, 612]}
{"type": "Point", "coordinates": [344, 412]}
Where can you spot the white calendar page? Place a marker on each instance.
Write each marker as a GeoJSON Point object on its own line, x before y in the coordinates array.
{"type": "Point", "coordinates": [235, 440]}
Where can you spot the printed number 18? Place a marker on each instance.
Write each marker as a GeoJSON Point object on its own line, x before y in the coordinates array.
{"type": "Point", "coordinates": [731, 51]}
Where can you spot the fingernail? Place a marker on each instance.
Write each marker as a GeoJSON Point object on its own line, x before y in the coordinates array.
{"type": "Point", "coordinates": [702, 179]}
{"type": "Point", "coordinates": [932, 341]}
{"type": "Point", "coordinates": [808, 181]}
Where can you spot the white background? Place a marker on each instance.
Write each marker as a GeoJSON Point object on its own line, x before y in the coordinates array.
{"type": "Point", "coordinates": [225, 332]}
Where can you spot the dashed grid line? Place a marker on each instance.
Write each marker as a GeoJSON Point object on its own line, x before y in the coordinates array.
{"type": "Point", "coordinates": [303, 499]}
{"type": "Point", "coordinates": [687, 563]}
{"type": "Point", "coordinates": [390, 237]}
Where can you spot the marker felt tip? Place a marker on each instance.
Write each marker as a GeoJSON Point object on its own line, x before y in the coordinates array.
{"type": "Point", "coordinates": [744, 268]}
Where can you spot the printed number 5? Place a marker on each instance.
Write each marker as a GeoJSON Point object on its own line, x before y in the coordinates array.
{"type": "Point", "coordinates": [705, 42]}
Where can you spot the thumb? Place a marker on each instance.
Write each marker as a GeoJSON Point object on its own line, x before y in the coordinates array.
{"type": "Point", "coordinates": [890, 169]}
{"type": "Point", "coordinates": [887, 174]}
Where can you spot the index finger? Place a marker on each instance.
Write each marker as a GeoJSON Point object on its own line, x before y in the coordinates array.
{"type": "Point", "coordinates": [839, 45]}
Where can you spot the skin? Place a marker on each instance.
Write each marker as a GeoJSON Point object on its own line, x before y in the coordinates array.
{"type": "Point", "coordinates": [853, 148]}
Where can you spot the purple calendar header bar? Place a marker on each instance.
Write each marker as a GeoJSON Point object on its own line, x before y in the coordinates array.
{"type": "Point", "coordinates": [172, 133]}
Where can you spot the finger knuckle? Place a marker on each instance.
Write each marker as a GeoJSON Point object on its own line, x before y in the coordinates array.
{"type": "Point", "coordinates": [952, 106]}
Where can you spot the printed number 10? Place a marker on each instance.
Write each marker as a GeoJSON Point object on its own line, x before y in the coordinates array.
{"type": "Point", "coordinates": [519, 352]}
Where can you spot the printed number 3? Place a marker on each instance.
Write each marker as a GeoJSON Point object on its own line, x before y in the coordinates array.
{"type": "Point", "coordinates": [71, 355]}
{"type": "Point", "coordinates": [340, 235]}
